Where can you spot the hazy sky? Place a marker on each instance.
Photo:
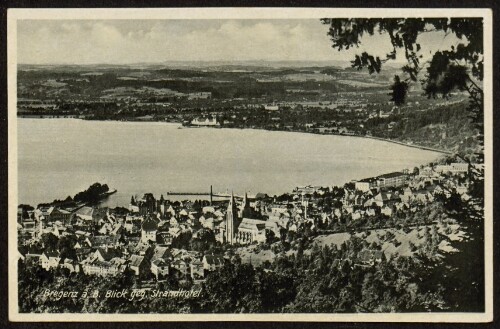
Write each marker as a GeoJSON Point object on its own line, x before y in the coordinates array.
{"type": "Point", "coordinates": [143, 41]}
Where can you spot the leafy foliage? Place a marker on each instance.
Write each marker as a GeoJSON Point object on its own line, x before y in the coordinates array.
{"type": "Point", "coordinates": [399, 91]}
{"type": "Point", "coordinates": [448, 70]}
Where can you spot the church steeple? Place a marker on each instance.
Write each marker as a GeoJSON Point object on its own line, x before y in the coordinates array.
{"type": "Point", "coordinates": [231, 200]}
{"type": "Point", "coordinates": [231, 221]}
{"type": "Point", "coordinates": [246, 211]}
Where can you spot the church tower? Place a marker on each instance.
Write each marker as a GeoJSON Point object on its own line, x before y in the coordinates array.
{"type": "Point", "coordinates": [231, 221]}
{"type": "Point", "coordinates": [246, 211]}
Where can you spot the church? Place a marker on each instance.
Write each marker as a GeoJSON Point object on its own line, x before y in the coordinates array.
{"type": "Point", "coordinates": [241, 226]}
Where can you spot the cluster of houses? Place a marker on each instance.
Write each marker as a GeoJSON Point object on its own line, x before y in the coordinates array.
{"type": "Point", "coordinates": [114, 247]}
{"type": "Point", "coordinates": [107, 242]}
{"type": "Point", "coordinates": [402, 190]}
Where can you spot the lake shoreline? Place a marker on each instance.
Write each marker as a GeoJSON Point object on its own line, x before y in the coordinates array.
{"type": "Point", "coordinates": [421, 147]}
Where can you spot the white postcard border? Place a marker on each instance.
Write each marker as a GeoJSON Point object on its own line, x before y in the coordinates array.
{"type": "Point", "coordinates": [245, 13]}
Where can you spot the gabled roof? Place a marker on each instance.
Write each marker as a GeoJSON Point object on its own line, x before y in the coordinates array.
{"type": "Point", "coordinates": [109, 253]}
{"type": "Point", "coordinates": [197, 262]}
{"type": "Point", "coordinates": [85, 211]}
{"type": "Point", "coordinates": [83, 251]}
{"type": "Point", "coordinates": [161, 252]}
{"type": "Point", "coordinates": [118, 228]}
{"type": "Point", "coordinates": [61, 211]}
{"type": "Point", "coordinates": [136, 260]}
{"type": "Point", "coordinates": [140, 247]}
{"type": "Point", "coordinates": [51, 253]}
{"type": "Point", "coordinates": [160, 262]}
{"type": "Point", "coordinates": [117, 261]}
{"type": "Point", "coordinates": [178, 262]}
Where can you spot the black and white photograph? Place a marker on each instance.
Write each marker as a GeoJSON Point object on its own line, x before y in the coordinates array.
{"type": "Point", "coordinates": [250, 164]}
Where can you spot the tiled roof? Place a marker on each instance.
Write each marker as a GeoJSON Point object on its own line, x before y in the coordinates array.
{"type": "Point", "coordinates": [85, 211]}
{"type": "Point", "coordinates": [136, 260]}
{"type": "Point", "coordinates": [109, 253]}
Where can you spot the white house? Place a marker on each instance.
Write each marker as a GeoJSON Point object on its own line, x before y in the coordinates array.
{"type": "Point", "coordinates": [49, 259]}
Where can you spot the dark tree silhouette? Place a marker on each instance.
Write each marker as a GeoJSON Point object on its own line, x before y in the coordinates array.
{"type": "Point", "coordinates": [448, 70]}
{"type": "Point", "coordinates": [460, 68]}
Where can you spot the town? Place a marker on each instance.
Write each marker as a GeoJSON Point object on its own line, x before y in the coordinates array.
{"type": "Point", "coordinates": [155, 238]}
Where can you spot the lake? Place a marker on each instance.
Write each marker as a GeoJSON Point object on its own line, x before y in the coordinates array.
{"type": "Point", "coordinates": [60, 157]}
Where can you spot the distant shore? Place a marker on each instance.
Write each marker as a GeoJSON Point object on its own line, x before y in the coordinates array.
{"type": "Point", "coordinates": [409, 145]}
{"type": "Point", "coordinates": [426, 148]}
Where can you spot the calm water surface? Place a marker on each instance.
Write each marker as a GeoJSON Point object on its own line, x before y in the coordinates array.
{"type": "Point", "coordinates": [60, 157]}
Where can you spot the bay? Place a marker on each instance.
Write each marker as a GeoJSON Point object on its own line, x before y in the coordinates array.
{"type": "Point", "coordinates": [60, 157]}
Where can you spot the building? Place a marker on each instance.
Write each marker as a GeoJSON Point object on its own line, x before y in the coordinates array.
{"type": "Point", "coordinates": [147, 204]}
{"type": "Point", "coordinates": [70, 264]}
{"type": "Point", "coordinates": [104, 262]}
{"type": "Point", "coordinates": [149, 228]}
{"type": "Point", "coordinates": [272, 107]}
{"type": "Point", "coordinates": [160, 268]}
{"type": "Point", "coordinates": [453, 168]}
{"type": "Point", "coordinates": [395, 179]}
{"type": "Point", "coordinates": [61, 215]}
{"type": "Point", "coordinates": [459, 168]}
{"type": "Point", "coordinates": [309, 189]}
{"type": "Point", "coordinates": [362, 185]}
{"type": "Point", "coordinates": [85, 214]}
{"type": "Point", "coordinates": [49, 260]}
{"type": "Point", "coordinates": [246, 210]}
{"type": "Point", "coordinates": [383, 199]}
{"type": "Point", "coordinates": [207, 122]}
{"type": "Point", "coordinates": [138, 264]}
{"type": "Point", "coordinates": [212, 262]}
{"type": "Point", "coordinates": [197, 270]}
{"type": "Point", "coordinates": [180, 266]}
{"type": "Point", "coordinates": [89, 215]}
{"type": "Point", "coordinates": [232, 222]}
{"type": "Point", "coordinates": [407, 195]}
{"type": "Point", "coordinates": [251, 230]}
{"type": "Point", "coordinates": [366, 184]}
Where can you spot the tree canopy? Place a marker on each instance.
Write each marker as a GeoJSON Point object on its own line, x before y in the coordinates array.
{"type": "Point", "coordinates": [460, 68]}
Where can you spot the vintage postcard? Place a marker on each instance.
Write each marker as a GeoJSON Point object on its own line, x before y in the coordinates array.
{"type": "Point", "coordinates": [251, 164]}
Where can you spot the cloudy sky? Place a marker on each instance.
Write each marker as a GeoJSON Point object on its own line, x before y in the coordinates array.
{"type": "Point", "coordinates": [154, 41]}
